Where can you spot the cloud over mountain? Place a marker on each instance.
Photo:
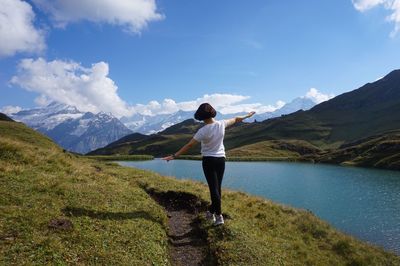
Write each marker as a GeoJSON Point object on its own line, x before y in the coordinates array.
{"type": "Point", "coordinates": [89, 89]}
{"type": "Point", "coordinates": [317, 96]}
{"type": "Point", "coordinates": [9, 109]}
{"type": "Point", "coordinates": [17, 31]}
{"type": "Point", "coordinates": [133, 15]}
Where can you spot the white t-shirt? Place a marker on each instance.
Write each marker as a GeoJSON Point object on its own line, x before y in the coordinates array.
{"type": "Point", "coordinates": [211, 137]}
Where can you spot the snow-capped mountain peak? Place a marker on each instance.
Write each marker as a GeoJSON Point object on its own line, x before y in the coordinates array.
{"type": "Point", "coordinates": [48, 117]}
{"type": "Point", "coordinates": [74, 130]}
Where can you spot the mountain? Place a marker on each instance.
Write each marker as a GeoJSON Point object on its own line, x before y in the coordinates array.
{"type": "Point", "coordinates": [370, 110]}
{"type": "Point", "coordinates": [165, 142]}
{"type": "Point", "coordinates": [4, 117]}
{"type": "Point", "coordinates": [373, 109]}
{"type": "Point", "coordinates": [299, 103]}
{"type": "Point", "coordinates": [48, 117]}
{"type": "Point", "coordinates": [147, 124]}
{"type": "Point", "coordinates": [74, 130]}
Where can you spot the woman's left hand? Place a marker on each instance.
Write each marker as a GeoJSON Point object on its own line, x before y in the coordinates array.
{"type": "Point", "coordinates": [168, 158]}
{"type": "Point", "coordinates": [250, 114]}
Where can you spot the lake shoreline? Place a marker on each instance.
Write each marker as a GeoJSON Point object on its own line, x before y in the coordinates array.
{"type": "Point", "coordinates": [313, 160]}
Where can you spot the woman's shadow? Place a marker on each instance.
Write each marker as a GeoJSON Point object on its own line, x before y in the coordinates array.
{"type": "Point", "coordinates": [102, 215]}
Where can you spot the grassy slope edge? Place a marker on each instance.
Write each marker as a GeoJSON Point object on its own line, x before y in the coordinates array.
{"type": "Point", "coordinates": [115, 222]}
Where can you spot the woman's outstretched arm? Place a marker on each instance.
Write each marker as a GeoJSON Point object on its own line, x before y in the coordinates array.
{"type": "Point", "coordinates": [230, 122]}
{"type": "Point", "coordinates": [183, 150]}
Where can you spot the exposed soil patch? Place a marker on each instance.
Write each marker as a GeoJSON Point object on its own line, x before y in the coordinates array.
{"type": "Point", "coordinates": [188, 241]}
{"type": "Point", "coordinates": [9, 237]}
{"type": "Point", "coordinates": [60, 224]}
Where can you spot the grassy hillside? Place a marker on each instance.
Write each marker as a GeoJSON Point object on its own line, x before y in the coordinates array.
{"type": "Point", "coordinates": [58, 208]}
{"type": "Point", "coordinates": [292, 149]}
{"type": "Point", "coordinates": [166, 142]}
{"type": "Point", "coordinates": [381, 151]}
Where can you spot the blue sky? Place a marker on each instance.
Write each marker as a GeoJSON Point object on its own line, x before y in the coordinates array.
{"type": "Point", "coordinates": [259, 51]}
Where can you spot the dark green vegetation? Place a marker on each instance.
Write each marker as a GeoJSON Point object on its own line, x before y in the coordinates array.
{"type": "Point", "coordinates": [382, 151]}
{"type": "Point", "coordinates": [59, 208]}
{"type": "Point", "coordinates": [290, 149]}
{"type": "Point", "coordinates": [3, 117]}
{"type": "Point", "coordinates": [325, 130]}
{"type": "Point", "coordinates": [164, 143]}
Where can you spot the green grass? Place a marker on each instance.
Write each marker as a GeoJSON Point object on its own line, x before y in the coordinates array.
{"type": "Point", "coordinates": [380, 151]}
{"type": "Point", "coordinates": [293, 149]}
{"type": "Point", "coordinates": [115, 222]}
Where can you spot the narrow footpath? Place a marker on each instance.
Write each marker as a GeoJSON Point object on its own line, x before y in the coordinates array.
{"type": "Point", "coordinates": [187, 240]}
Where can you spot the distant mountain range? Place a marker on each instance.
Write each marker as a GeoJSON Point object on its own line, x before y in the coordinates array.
{"type": "Point", "coordinates": [338, 130]}
{"type": "Point", "coordinates": [146, 124]}
{"type": "Point", "coordinates": [83, 132]}
{"type": "Point", "coordinates": [74, 130]}
{"type": "Point", "coordinates": [299, 103]}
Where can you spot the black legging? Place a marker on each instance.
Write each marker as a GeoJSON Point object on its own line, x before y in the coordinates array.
{"type": "Point", "coordinates": [214, 168]}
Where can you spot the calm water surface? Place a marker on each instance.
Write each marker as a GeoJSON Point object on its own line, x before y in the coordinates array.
{"type": "Point", "coordinates": [362, 202]}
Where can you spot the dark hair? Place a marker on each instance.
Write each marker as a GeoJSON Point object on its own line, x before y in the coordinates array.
{"type": "Point", "coordinates": [205, 111]}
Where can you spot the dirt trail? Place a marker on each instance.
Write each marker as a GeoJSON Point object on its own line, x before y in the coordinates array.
{"type": "Point", "coordinates": [188, 242]}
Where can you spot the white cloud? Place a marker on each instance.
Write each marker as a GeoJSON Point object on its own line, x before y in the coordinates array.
{"type": "Point", "coordinates": [9, 110]}
{"type": "Point", "coordinates": [224, 103]}
{"type": "Point", "coordinates": [317, 96]}
{"type": "Point", "coordinates": [17, 32]}
{"type": "Point", "coordinates": [257, 107]}
{"type": "Point", "coordinates": [217, 100]}
{"type": "Point", "coordinates": [363, 5]}
{"type": "Point", "coordinates": [169, 106]}
{"type": "Point", "coordinates": [42, 100]}
{"type": "Point", "coordinates": [133, 15]}
{"type": "Point", "coordinates": [392, 5]}
{"type": "Point", "coordinates": [89, 89]}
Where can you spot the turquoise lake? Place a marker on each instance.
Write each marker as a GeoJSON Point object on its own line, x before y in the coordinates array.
{"type": "Point", "coordinates": [359, 201]}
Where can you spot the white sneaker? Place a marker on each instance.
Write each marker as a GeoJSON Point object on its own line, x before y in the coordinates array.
{"type": "Point", "coordinates": [210, 216]}
{"type": "Point", "coordinates": [219, 220]}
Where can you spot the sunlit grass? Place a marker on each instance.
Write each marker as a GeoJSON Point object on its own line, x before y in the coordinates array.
{"type": "Point", "coordinates": [115, 222]}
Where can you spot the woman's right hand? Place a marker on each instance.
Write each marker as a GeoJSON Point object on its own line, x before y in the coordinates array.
{"type": "Point", "coordinates": [168, 158]}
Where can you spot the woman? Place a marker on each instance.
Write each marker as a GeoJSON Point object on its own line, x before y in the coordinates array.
{"type": "Point", "coordinates": [211, 136]}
